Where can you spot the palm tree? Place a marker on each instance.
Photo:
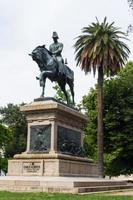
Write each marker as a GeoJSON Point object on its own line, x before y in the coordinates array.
{"type": "Point", "coordinates": [101, 48]}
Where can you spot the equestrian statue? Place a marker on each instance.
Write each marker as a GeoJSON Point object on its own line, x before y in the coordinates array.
{"type": "Point", "coordinates": [51, 65]}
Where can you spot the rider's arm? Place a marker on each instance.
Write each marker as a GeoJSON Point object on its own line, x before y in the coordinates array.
{"type": "Point", "coordinates": [59, 50]}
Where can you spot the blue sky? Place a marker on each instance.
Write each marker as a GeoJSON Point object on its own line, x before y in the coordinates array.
{"type": "Point", "coordinates": [26, 24]}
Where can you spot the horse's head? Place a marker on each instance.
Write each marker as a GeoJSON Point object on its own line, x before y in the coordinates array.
{"type": "Point", "coordinates": [38, 54]}
{"type": "Point", "coordinates": [41, 56]}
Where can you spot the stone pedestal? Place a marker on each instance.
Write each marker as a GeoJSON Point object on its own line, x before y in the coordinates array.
{"type": "Point", "coordinates": [54, 143]}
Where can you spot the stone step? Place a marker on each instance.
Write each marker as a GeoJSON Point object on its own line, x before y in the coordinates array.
{"type": "Point", "coordinates": [81, 190]}
{"type": "Point", "coordinates": [99, 183]}
{"type": "Point", "coordinates": [103, 188]}
{"type": "Point", "coordinates": [60, 184]}
{"type": "Point", "coordinates": [54, 183]}
{"type": "Point", "coordinates": [19, 183]}
{"type": "Point", "coordinates": [15, 188]}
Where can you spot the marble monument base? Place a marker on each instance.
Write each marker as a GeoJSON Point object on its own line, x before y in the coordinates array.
{"type": "Point", "coordinates": [51, 165]}
{"type": "Point", "coordinates": [54, 143]}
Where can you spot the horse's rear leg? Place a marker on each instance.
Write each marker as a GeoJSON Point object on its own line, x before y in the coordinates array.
{"type": "Point", "coordinates": [71, 86]}
{"type": "Point", "coordinates": [62, 86]}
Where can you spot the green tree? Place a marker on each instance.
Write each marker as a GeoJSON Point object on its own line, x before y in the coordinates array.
{"type": "Point", "coordinates": [16, 123]}
{"type": "Point", "coordinates": [118, 126]}
{"type": "Point", "coordinates": [101, 48]}
{"type": "Point", "coordinates": [5, 137]}
{"type": "Point", "coordinates": [118, 122]}
{"type": "Point", "coordinates": [89, 106]}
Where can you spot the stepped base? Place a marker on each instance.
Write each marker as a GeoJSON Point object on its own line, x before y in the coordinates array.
{"type": "Point", "coordinates": [51, 165]}
{"type": "Point", "coordinates": [59, 184]}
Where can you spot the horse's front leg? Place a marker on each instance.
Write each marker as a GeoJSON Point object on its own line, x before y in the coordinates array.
{"type": "Point", "coordinates": [42, 84]}
{"type": "Point", "coordinates": [42, 95]}
{"type": "Point", "coordinates": [42, 78]}
{"type": "Point", "coordinates": [43, 88]}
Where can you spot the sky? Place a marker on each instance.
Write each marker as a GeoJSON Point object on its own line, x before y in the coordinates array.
{"type": "Point", "coordinates": [25, 24]}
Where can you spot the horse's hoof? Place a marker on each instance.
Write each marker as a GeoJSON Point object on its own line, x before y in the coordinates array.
{"type": "Point", "coordinates": [42, 96]}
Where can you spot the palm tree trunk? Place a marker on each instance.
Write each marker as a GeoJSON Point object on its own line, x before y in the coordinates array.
{"type": "Point", "coordinates": [100, 134]}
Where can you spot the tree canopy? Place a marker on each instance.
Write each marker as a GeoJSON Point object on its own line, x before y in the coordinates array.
{"type": "Point", "coordinates": [15, 121]}
{"type": "Point", "coordinates": [118, 126]}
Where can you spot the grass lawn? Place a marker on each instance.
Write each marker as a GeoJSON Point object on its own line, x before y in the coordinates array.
{"type": "Point", "coordinates": [48, 196]}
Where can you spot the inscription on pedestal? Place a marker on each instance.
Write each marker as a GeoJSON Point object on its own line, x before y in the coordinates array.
{"type": "Point", "coordinates": [32, 168]}
{"type": "Point", "coordinates": [40, 137]}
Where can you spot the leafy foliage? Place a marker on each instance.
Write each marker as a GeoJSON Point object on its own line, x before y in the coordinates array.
{"type": "Point", "coordinates": [118, 126]}
{"type": "Point", "coordinates": [3, 164]}
{"type": "Point", "coordinates": [16, 123]}
{"type": "Point", "coordinates": [5, 136]}
{"type": "Point", "coordinates": [89, 104]}
{"type": "Point", "coordinates": [118, 121]}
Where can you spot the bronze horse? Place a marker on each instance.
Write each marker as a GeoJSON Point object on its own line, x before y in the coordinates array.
{"type": "Point", "coordinates": [49, 69]}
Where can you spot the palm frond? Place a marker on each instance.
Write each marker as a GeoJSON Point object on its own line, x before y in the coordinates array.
{"type": "Point", "coordinates": [101, 45]}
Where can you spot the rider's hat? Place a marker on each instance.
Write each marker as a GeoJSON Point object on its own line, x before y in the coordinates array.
{"type": "Point", "coordinates": [55, 35]}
